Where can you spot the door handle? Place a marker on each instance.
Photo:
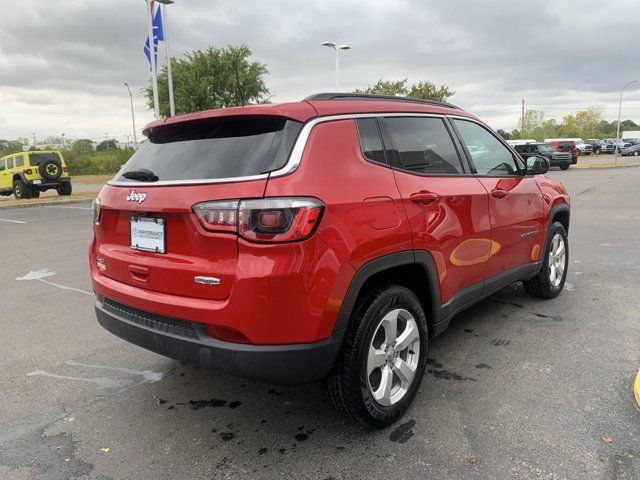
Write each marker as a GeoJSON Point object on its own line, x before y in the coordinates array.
{"type": "Point", "coordinates": [499, 193]}
{"type": "Point", "coordinates": [424, 198]}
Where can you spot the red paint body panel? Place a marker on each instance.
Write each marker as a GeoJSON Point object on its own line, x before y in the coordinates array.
{"type": "Point", "coordinates": [291, 293]}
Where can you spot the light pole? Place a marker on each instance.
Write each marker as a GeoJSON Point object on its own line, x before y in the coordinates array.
{"type": "Point", "coordinates": [172, 105]}
{"type": "Point", "coordinates": [133, 117]}
{"type": "Point", "coordinates": [63, 145]}
{"type": "Point", "coordinates": [619, 115]}
{"type": "Point", "coordinates": [337, 48]}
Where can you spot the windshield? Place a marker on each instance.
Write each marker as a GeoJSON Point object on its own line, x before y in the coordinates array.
{"type": "Point", "coordinates": [219, 148]}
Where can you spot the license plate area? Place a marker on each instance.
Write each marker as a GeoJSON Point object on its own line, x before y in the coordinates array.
{"type": "Point", "coordinates": [148, 234]}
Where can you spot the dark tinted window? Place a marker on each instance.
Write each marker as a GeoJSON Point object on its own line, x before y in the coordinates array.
{"type": "Point", "coordinates": [424, 145]}
{"type": "Point", "coordinates": [370, 140]}
{"type": "Point", "coordinates": [1, 164]}
{"type": "Point", "coordinates": [19, 161]}
{"type": "Point", "coordinates": [489, 155]}
{"type": "Point", "coordinates": [36, 159]}
{"type": "Point", "coordinates": [220, 148]}
{"type": "Point", "coordinates": [10, 162]}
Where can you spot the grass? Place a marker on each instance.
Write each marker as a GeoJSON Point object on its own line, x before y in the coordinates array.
{"type": "Point", "coordinates": [91, 179]}
{"type": "Point", "coordinates": [76, 197]}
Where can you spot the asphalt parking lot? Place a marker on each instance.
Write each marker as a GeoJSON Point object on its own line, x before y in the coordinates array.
{"type": "Point", "coordinates": [516, 388]}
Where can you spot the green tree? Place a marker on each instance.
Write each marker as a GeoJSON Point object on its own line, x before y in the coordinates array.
{"type": "Point", "coordinates": [213, 78]}
{"type": "Point", "coordinates": [111, 144]}
{"type": "Point", "coordinates": [504, 134]}
{"type": "Point", "coordinates": [82, 146]}
{"type": "Point", "coordinates": [584, 124]}
{"type": "Point", "coordinates": [533, 124]}
{"type": "Point", "coordinates": [7, 147]}
{"type": "Point", "coordinates": [424, 89]}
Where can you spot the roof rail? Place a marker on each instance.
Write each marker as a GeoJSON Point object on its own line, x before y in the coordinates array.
{"type": "Point", "coordinates": [366, 96]}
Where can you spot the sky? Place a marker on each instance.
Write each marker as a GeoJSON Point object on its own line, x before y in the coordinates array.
{"type": "Point", "coordinates": [63, 64]}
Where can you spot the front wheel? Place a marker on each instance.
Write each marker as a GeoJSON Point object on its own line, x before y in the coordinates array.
{"type": "Point", "coordinates": [21, 190]}
{"type": "Point", "coordinates": [383, 357]}
{"type": "Point", "coordinates": [549, 281]}
{"type": "Point", "coordinates": [565, 166]}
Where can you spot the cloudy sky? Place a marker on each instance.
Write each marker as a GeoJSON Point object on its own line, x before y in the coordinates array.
{"type": "Point", "coordinates": [62, 63]}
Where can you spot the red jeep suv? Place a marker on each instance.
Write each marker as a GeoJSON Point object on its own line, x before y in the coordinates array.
{"type": "Point", "coordinates": [325, 239]}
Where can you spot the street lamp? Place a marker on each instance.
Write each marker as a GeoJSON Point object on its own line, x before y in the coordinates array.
{"type": "Point", "coordinates": [63, 145]}
{"type": "Point", "coordinates": [337, 48]}
{"type": "Point", "coordinates": [133, 117]}
{"type": "Point", "coordinates": [619, 114]}
{"type": "Point", "coordinates": [165, 28]}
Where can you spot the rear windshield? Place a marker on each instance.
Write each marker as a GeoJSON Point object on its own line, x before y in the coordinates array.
{"type": "Point", "coordinates": [544, 148]}
{"type": "Point", "coordinates": [216, 149]}
{"type": "Point", "coordinates": [36, 159]}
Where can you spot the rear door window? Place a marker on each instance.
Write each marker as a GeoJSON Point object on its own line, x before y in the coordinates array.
{"type": "Point", "coordinates": [10, 163]}
{"type": "Point", "coordinates": [222, 148]}
{"type": "Point", "coordinates": [20, 161]}
{"type": "Point", "coordinates": [423, 145]}
{"type": "Point", "coordinates": [1, 165]}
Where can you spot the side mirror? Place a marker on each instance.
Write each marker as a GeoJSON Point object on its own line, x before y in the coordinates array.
{"type": "Point", "coordinates": [537, 165]}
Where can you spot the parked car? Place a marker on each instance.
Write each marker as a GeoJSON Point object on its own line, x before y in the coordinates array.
{"type": "Point", "coordinates": [621, 145]}
{"type": "Point", "coordinates": [632, 141]}
{"type": "Point", "coordinates": [226, 241]}
{"type": "Point", "coordinates": [632, 150]}
{"type": "Point", "coordinates": [560, 145]}
{"type": "Point", "coordinates": [556, 159]}
{"type": "Point", "coordinates": [601, 146]}
{"type": "Point", "coordinates": [584, 148]}
{"type": "Point", "coordinates": [26, 174]}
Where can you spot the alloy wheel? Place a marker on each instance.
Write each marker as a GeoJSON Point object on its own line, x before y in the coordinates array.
{"type": "Point", "coordinates": [393, 357]}
{"type": "Point", "coordinates": [557, 260]}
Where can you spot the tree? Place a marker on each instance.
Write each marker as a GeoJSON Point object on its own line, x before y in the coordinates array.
{"type": "Point", "coordinates": [111, 144]}
{"type": "Point", "coordinates": [82, 146]}
{"type": "Point", "coordinates": [533, 122]}
{"type": "Point", "coordinates": [584, 124]}
{"type": "Point", "coordinates": [504, 134]}
{"type": "Point", "coordinates": [213, 78]}
{"type": "Point", "coordinates": [424, 89]}
{"type": "Point", "coordinates": [7, 147]}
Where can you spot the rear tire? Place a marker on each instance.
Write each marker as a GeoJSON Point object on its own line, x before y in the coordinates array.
{"type": "Point", "coordinates": [35, 193]}
{"type": "Point", "coordinates": [64, 188]}
{"type": "Point", "coordinates": [549, 281]}
{"type": "Point", "coordinates": [565, 166]}
{"type": "Point", "coordinates": [374, 355]}
{"type": "Point", "coordinates": [21, 190]}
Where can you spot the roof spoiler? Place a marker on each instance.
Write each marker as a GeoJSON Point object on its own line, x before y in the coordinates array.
{"type": "Point", "coordinates": [366, 96]}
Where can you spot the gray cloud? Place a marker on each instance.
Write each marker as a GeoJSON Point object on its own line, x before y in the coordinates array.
{"type": "Point", "coordinates": [62, 64]}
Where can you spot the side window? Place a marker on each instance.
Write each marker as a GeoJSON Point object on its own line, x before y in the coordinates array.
{"type": "Point", "coordinates": [10, 163]}
{"type": "Point", "coordinates": [20, 161]}
{"type": "Point", "coordinates": [424, 145]}
{"type": "Point", "coordinates": [370, 140]}
{"type": "Point", "coordinates": [1, 165]}
{"type": "Point", "coordinates": [488, 154]}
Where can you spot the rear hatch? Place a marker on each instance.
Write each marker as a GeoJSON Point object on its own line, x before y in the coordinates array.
{"type": "Point", "coordinates": [147, 234]}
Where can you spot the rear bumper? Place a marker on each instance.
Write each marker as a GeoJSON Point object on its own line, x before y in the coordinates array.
{"type": "Point", "coordinates": [278, 364]}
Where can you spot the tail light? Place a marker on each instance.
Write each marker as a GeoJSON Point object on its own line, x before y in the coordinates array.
{"type": "Point", "coordinates": [97, 210]}
{"type": "Point", "coordinates": [65, 169]}
{"type": "Point", "coordinates": [267, 220]}
{"type": "Point", "coordinates": [28, 171]}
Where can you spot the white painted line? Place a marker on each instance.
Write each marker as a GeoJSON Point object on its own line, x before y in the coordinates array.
{"type": "Point", "coordinates": [43, 273]}
{"type": "Point", "coordinates": [148, 375]}
{"type": "Point", "coordinates": [70, 207]}
{"type": "Point", "coordinates": [12, 221]}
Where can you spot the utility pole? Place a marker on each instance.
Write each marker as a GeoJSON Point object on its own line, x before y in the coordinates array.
{"type": "Point", "coordinates": [522, 122]}
{"type": "Point", "coordinates": [34, 138]}
{"type": "Point", "coordinates": [106, 140]}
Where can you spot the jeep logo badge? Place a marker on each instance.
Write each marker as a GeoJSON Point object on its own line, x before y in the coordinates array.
{"type": "Point", "coordinates": [136, 197]}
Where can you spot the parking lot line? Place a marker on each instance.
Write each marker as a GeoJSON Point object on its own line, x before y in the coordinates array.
{"type": "Point", "coordinates": [70, 207]}
{"type": "Point", "coordinates": [11, 221]}
{"type": "Point", "coordinates": [636, 389]}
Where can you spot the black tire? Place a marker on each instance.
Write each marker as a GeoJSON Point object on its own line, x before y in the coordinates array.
{"type": "Point", "coordinates": [636, 153]}
{"type": "Point", "coordinates": [50, 170]}
{"type": "Point", "coordinates": [541, 286]}
{"type": "Point", "coordinates": [348, 383]}
{"type": "Point", "coordinates": [21, 190]}
{"type": "Point", "coordinates": [35, 193]}
{"type": "Point", "coordinates": [565, 166]}
{"type": "Point", "coordinates": [64, 188]}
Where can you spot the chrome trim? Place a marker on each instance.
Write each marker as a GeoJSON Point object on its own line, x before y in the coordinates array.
{"type": "Point", "coordinates": [294, 158]}
{"type": "Point", "coordinates": [207, 280]}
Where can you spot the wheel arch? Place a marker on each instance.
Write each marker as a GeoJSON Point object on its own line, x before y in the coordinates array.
{"type": "Point", "coordinates": [18, 176]}
{"type": "Point", "coordinates": [413, 269]}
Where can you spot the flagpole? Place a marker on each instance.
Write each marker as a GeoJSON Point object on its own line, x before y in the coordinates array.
{"type": "Point", "coordinates": [153, 56]}
{"type": "Point", "coordinates": [172, 105]}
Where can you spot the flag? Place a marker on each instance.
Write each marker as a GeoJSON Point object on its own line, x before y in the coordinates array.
{"type": "Point", "coordinates": [158, 35]}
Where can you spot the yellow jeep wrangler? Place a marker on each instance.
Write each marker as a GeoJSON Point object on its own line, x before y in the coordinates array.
{"type": "Point", "coordinates": [26, 174]}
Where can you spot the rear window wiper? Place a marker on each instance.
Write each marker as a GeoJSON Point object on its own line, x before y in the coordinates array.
{"type": "Point", "coordinates": [142, 175]}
